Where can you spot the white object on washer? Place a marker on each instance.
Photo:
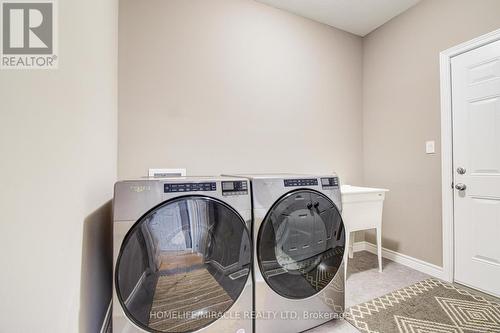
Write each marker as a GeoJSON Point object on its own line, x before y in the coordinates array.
{"type": "Point", "coordinates": [164, 173]}
{"type": "Point", "coordinates": [362, 210]}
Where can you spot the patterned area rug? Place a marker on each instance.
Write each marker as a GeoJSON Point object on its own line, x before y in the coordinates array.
{"type": "Point", "coordinates": [429, 306]}
{"type": "Point", "coordinates": [187, 302]}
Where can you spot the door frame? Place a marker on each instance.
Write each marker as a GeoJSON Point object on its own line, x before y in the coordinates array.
{"type": "Point", "coordinates": [447, 190]}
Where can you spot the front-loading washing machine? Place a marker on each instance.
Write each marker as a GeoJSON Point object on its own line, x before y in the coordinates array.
{"type": "Point", "coordinates": [182, 255]}
{"type": "Point", "coordinates": [299, 251]}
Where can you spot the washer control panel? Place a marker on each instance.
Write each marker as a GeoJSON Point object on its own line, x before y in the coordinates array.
{"type": "Point", "coordinates": [301, 182]}
{"type": "Point", "coordinates": [329, 182]}
{"type": "Point", "coordinates": [189, 187]}
{"type": "Point", "coordinates": [235, 187]}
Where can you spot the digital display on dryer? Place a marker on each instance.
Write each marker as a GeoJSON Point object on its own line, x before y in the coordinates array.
{"type": "Point", "coordinates": [330, 182]}
{"type": "Point", "coordinates": [237, 187]}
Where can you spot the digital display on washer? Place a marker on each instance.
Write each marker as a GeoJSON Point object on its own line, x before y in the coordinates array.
{"type": "Point", "coordinates": [189, 187]}
{"type": "Point", "coordinates": [237, 187]}
{"type": "Point", "coordinates": [330, 182]}
{"type": "Point", "coordinates": [301, 182]}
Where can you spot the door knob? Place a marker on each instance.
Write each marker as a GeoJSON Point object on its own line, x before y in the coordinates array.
{"type": "Point", "coordinates": [461, 171]}
{"type": "Point", "coordinates": [461, 187]}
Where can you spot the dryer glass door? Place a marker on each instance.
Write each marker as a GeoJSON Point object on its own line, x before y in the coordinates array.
{"type": "Point", "coordinates": [183, 265]}
{"type": "Point", "coordinates": [301, 244]}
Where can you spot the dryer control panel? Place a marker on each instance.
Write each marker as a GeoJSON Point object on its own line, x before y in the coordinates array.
{"type": "Point", "coordinates": [189, 187]}
{"type": "Point", "coordinates": [329, 182]}
{"type": "Point", "coordinates": [301, 182]}
{"type": "Point", "coordinates": [235, 187]}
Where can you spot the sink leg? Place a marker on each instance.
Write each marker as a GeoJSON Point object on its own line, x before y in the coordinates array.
{"type": "Point", "coordinates": [379, 248]}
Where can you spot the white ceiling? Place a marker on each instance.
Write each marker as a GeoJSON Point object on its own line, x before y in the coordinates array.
{"type": "Point", "coordinates": [359, 17]}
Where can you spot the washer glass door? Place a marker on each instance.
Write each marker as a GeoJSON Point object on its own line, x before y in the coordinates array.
{"type": "Point", "coordinates": [183, 265]}
{"type": "Point", "coordinates": [301, 244]}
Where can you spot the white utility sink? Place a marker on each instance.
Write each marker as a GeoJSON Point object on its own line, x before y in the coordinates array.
{"type": "Point", "coordinates": [362, 210]}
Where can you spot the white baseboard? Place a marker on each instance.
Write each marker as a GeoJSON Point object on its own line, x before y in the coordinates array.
{"type": "Point", "coordinates": [403, 259]}
{"type": "Point", "coordinates": [362, 246]}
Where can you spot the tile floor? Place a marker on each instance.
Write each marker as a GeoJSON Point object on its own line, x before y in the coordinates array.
{"type": "Point", "coordinates": [364, 283]}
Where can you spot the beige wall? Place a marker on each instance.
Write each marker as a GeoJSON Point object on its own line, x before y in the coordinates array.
{"type": "Point", "coordinates": [262, 91]}
{"type": "Point", "coordinates": [236, 86]}
{"type": "Point", "coordinates": [58, 165]}
{"type": "Point", "coordinates": [402, 110]}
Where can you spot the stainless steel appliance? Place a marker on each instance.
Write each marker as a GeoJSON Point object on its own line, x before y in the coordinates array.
{"type": "Point", "coordinates": [299, 242]}
{"type": "Point", "coordinates": [182, 255]}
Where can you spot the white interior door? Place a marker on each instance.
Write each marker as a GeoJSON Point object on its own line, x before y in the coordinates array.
{"type": "Point", "coordinates": [476, 161]}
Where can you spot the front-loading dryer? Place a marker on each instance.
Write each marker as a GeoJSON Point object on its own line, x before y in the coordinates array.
{"type": "Point", "coordinates": [299, 251]}
{"type": "Point", "coordinates": [182, 255]}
